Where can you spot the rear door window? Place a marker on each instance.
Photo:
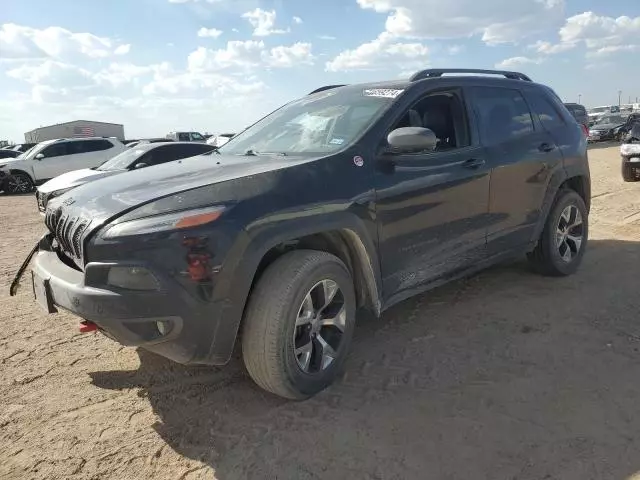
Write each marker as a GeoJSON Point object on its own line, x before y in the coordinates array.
{"type": "Point", "coordinates": [503, 113]}
{"type": "Point", "coordinates": [183, 137]}
{"type": "Point", "coordinates": [195, 149]}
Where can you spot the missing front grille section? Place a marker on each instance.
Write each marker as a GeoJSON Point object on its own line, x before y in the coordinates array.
{"type": "Point", "coordinates": [66, 260]}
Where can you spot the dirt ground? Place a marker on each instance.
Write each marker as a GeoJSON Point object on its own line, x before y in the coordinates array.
{"type": "Point", "coordinates": [505, 375]}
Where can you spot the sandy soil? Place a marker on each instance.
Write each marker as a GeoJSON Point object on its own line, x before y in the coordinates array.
{"type": "Point", "coordinates": [505, 375]}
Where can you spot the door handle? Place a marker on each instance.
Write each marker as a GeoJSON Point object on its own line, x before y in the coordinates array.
{"type": "Point", "coordinates": [546, 147]}
{"type": "Point", "coordinates": [473, 163]}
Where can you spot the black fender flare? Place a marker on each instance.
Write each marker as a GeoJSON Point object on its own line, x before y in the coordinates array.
{"type": "Point", "coordinates": [239, 275]}
{"type": "Point", "coordinates": [558, 178]}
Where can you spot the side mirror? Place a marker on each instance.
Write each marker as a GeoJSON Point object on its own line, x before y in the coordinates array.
{"type": "Point", "coordinates": [140, 165]}
{"type": "Point", "coordinates": [412, 139]}
{"type": "Point", "coordinates": [39, 156]}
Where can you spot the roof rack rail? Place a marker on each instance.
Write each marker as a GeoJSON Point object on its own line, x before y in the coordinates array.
{"type": "Point", "coordinates": [434, 73]}
{"type": "Point", "coordinates": [326, 87]}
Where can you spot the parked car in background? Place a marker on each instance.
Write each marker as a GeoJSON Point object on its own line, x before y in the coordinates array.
{"type": "Point", "coordinates": [624, 130]}
{"type": "Point", "coordinates": [21, 147]}
{"type": "Point", "coordinates": [606, 128]}
{"type": "Point", "coordinates": [51, 158]}
{"type": "Point", "coordinates": [579, 112]}
{"type": "Point", "coordinates": [5, 153]}
{"type": "Point", "coordinates": [141, 156]}
{"type": "Point", "coordinates": [431, 178]}
{"type": "Point", "coordinates": [186, 137]}
{"type": "Point", "coordinates": [219, 140]}
{"type": "Point", "coordinates": [596, 112]}
{"type": "Point", "coordinates": [630, 153]}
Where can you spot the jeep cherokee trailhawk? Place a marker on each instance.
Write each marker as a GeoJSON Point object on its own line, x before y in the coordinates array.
{"type": "Point", "coordinates": [352, 196]}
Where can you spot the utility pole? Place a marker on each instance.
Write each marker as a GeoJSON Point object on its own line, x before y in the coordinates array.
{"type": "Point", "coordinates": [619, 97]}
{"type": "Point", "coordinates": [580, 98]}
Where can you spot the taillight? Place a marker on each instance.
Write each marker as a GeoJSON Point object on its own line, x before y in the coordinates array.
{"type": "Point", "coordinates": [585, 129]}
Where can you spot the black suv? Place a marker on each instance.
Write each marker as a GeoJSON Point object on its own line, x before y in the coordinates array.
{"type": "Point", "coordinates": [352, 196]}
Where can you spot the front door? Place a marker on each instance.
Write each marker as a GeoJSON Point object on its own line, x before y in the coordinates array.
{"type": "Point", "coordinates": [522, 155]}
{"type": "Point", "coordinates": [432, 206]}
{"type": "Point", "coordinates": [55, 162]}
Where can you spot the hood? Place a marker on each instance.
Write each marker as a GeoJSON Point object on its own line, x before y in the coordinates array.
{"type": "Point", "coordinates": [109, 197]}
{"type": "Point", "coordinates": [8, 161]}
{"type": "Point", "coordinates": [75, 179]}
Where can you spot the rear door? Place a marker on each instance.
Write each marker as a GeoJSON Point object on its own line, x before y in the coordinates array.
{"type": "Point", "coordinates": [91, 153]}
{"type": "Point", "coordinates": [522, 156]}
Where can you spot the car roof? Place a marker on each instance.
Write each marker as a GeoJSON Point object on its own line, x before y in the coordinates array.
{"type": "Point", "coordinates": [458, 77]}
{"type": "Point", "coordinates": [79, 139]}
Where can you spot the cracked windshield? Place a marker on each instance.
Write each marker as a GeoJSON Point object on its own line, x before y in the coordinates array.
{"type": "Point", "coordinates": [338, 239]}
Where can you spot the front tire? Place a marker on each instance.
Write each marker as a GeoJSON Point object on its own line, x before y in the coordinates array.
{"type": "Point", "coordinates": [299, 323]}
{"type": "Point", "coordinates": [19, 182]}
{"type": "Point", "coordinates": [563, 241]}
{"type": "Point", "coordinates": [629, 172]}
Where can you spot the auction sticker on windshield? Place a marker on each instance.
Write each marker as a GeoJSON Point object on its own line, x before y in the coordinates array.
{"type": "Point", "coordinates": [382, 92]}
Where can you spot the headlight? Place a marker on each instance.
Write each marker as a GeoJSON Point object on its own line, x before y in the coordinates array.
{"type": "Point", "coordinates": [57, 193]}
{"type": "Point", "coordinates": [628, 149]}
{"type": "Point", "coordinates": [161, 223]}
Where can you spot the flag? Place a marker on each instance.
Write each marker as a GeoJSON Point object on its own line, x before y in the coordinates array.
{"type": "Point", "coordinates": [83, 132]}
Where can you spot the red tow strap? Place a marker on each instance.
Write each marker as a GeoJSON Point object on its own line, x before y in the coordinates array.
{"type": "Point", "coordinates": [87, 326]}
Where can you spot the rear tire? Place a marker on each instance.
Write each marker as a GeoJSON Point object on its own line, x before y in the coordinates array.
{"type": "Point", "coordinates": [299, 323]}
{"type": "Point", "coordinates": [563, 241]}
{"type": "Point", "coordinates": [629, 172]}
{"type": "Point", "coordinates": [19, 182]}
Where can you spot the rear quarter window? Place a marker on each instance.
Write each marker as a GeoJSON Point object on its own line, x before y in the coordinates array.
{"type": "Point", "coordinates": [548, 113]}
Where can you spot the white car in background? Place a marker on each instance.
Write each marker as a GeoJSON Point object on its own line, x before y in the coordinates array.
{"type": "Point", "coordinates": [143, 156]}
{"type": "Point", "coordinates": [219, 140]}
{"type": "Point", "coordinates": [51, 158]}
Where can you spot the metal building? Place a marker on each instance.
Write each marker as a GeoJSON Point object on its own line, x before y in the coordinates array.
{"type": "Point", "coordinates": [75, 129]}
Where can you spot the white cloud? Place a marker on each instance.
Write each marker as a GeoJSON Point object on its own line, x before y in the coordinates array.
{"type": "Point", "coordinates": [599, 31]}
{"type": "Point", "coordinates": [20, 42]}
{"type": "Point", "coordinates": [297, 20]}
{"type": "Point", "coordinates": [209, 32]}
{"type": "Point", "coordinates": [455, 49]}
{"type": "Point", "coordinates": [249, 55]}
{"type": "Point", "coordinates": [601, 52]}
{"type": "Point", "coordinates": [497, 21]}
{"type": "Point", "coordinates": [600, 35]}
{"type": "Point", "coordinates": [237, 54]}
{"type": "Point", "coordinates": [263, 22]}
{"type": "Point", "coordinates": [515, 62]}
{"type": "Point", "coordinates": [548, 48]}
{"type": "Point", "coordinates": [382, 52]}
{"type": "Point", "coordinates": [326, 37]}
{"type": "Point", "coordinates": [297, 54]}
{"type": "Point", "coordinates": [53, 74]}
{"type": "Point", "coordinates": [122, 49]}
{"type": "Point", "coordinates": [119, 74]}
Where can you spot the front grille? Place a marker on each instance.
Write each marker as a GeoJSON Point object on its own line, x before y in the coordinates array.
{"type": "Point", "coordinates": [68, 231]}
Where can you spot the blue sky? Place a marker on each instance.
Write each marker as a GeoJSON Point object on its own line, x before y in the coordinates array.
{"type": "Point", "coordinates": [217, 65]}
